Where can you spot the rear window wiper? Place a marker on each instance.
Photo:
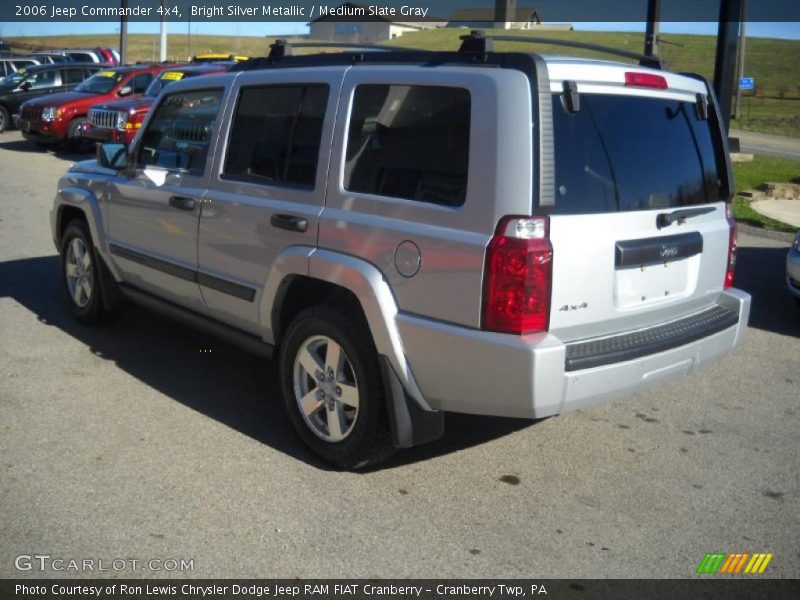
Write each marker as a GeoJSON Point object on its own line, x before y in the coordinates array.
{"type": "Point", "coordinates": [680, 216]}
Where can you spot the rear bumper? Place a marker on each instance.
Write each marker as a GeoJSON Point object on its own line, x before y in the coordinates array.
{"type": "Point", "coordinates": [464, 370]}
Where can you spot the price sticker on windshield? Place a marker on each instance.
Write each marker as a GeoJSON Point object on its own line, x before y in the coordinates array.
{"type": "Point", "coordinates": [172, 76]}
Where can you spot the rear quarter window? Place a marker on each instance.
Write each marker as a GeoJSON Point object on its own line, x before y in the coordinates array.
{"type": "Point", "coordinates": [410, 142]}
{"type": "Point", "coordinates": [623, 153]}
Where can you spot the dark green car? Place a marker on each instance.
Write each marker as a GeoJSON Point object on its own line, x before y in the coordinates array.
{"type": "Point", "coordinates": [39, 80]}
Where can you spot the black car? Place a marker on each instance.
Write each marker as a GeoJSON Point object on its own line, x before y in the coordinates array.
{"type": "Point", "coordinates": [39, 80]}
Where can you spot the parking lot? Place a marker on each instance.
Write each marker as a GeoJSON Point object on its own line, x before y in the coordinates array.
{"type": "Point", "coordinates": [142, 439]}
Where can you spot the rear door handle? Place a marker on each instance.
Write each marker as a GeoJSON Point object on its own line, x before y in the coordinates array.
{"type": "Point", "coordinates": [289, 223]}
{"type": "Point", "coordinates": [181, 202]}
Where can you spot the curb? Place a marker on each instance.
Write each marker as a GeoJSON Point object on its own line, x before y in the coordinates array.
{"type": "Point", "coordinates": [766, 233]}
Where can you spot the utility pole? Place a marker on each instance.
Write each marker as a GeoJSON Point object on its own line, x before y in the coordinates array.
{"type": "Point", "coordinates": [653, 20]}
{"type": "Point", "coordinates": [737, 107]}
{"type": "Point", "coordinates": [162, 54]}
{"type": "Point", "coordinates": [123, 33]}
{"type": "Point", "coordinates": [730, 12]}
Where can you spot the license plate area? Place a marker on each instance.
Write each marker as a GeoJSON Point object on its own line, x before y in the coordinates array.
{"type": "Point", "coordinates": [651, 283]}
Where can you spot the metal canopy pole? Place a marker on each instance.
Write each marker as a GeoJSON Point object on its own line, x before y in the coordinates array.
{"type": "Point", "coordinates": [123, 34]}
{"type": "Point", "coordinates": [730, 13]}
{"type": "Point", "coordinates": [651, 35]}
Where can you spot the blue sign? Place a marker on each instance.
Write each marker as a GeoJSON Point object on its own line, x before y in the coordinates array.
{"type": "Point", "coordinates": [747, 83]}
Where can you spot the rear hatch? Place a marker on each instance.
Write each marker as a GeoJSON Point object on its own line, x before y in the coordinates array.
{"type": "Point", "coordinates": [639, 230]}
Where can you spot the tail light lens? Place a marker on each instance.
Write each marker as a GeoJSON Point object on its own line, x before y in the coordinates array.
{"type": "Point", "coordinates": [518, 276]}
{"type": "Point", "coordinates": [649, 80]}
{"type": "Point", "coordinates": [730, 270]}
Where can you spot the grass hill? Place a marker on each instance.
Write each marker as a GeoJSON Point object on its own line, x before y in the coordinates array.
{"type": "Point", "coordinates": [775, 64]}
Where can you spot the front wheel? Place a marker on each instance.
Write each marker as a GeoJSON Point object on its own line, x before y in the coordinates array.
{"type": "Point", "coordinates": [80, 277]}
{"type": "Point", "coordinates": [75, 140]}
{"type": "Point", "coordinates": [332, 388]}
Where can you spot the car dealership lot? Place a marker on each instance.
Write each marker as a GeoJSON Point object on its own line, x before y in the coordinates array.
{"type": "Point", "coordinates": [143, 439]}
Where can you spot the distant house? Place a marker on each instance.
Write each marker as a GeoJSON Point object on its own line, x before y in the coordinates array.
{"type": "Point", "coordinates": [517, 18]}
{"type": "Point", "coordinates": [351, 23]}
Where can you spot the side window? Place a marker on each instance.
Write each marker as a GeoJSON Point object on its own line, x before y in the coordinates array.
{"type": "Point", "coordinates": [43, 79]}
{"type": "Point", "coordinates": [180, 131]}
{"type": "Point", "coordinates": [407, 141]}
{"type": "Point", "coordinates": [276, 134]}
{"type": "Point", "coordinates": [72, 76]}
{"type": "Point", "coordinates": [140, 82]}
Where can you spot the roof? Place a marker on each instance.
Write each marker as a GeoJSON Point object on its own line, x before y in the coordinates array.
{"type": "Point", "coordinates": [488, 15]}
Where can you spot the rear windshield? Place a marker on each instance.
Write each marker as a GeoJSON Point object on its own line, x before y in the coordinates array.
{"type": "Point", "coordinates": [623, 153]}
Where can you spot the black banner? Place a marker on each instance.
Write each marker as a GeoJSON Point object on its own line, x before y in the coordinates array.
{"type": "Point", "coordinates": [467, 12]}
{"type": "Point", "coordinates": [398, 589]}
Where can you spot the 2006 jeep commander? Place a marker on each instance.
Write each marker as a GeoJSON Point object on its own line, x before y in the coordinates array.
{"type": "Point", "coordinates": [419, 232]}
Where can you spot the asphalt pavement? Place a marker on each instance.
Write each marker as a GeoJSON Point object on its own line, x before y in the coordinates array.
{"type": "Point", "coordinates": [142, 439]}
{"type": "Point", "coordinates": [770, 145]}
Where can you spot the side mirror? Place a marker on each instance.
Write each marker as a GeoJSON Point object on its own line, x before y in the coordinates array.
{"type": "Point", "coordinates": [25, 86]}
{"type": "Point", "coordinates": [112, 155]}
{"type": "Point", "coordinates": [125, 91]}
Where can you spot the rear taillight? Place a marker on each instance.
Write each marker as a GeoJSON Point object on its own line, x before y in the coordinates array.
{"type": "Point", "coordinates": [518, 277]}
{"type": "Point", "coordinates": [730, 270]}
{"type": "Point", "coordinates": [649, 80]}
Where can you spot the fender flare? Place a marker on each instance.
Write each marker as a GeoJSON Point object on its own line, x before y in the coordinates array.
{"type": "Point", "coordinates": [369, 286]}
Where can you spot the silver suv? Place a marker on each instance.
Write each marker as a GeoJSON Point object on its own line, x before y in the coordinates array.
{"type": "Point", "coordinates": [421, 232]}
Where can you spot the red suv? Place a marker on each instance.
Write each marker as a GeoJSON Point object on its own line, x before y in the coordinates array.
{"type": "Point", "coordinates": [119, 120]}
{"type": "Point", "coordinates": [62, 117]}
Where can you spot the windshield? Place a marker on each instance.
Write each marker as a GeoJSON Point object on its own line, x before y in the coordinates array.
{"type": "Point", "coordinates": [101, 82]}
{"type": "Point", "coordinates": [624, 153]}
{"type": "Point", "coordinates": [163, 80]}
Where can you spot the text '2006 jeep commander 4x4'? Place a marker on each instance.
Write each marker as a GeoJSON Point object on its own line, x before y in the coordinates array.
{"type": "Point", "coordinates": [420, 232]}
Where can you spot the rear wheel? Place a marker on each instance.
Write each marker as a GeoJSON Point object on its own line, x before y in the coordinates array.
{"type": "Point", "coordinates": [80, 275]}
{"type": "Point", "coordinates": [332, 388]}
{"type": "Point", "coordinates": [5, 119]}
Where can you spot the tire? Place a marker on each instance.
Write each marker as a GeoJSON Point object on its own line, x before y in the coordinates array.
{"type": "Point", "coordinates": [344, 419]}
{"type": "Point", "coordinates": [5, 119]}
{"type": "Point", "coordinates": [80, 277]}
{"type": "Point", "coordinates": [74, 141]}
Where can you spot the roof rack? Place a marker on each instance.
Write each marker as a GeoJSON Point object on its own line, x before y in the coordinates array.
{"type": "Point", "coordinates": [477, 42]}
{"type": "Point", "coordinates": [282, 47]}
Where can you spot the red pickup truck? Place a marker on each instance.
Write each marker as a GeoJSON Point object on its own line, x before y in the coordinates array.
{"type": "Point", "coordinates": [119, 120]}
{"type": "Point", "coordinates": [61, 118]}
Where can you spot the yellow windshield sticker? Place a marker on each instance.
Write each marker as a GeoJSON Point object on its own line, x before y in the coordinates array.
{"type": "Point", "coordinates": [172, 75]}
{"type": "Point", "coordinates": [106, 74]}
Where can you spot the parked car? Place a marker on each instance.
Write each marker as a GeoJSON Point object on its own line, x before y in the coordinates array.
{"type": "Point", "coordinates": [94, 55]}
{"type": "Point", "coordinates": [419, 232]}
{"type": "Point", "coordinates": [120, 120]}
{"type": "Point", "coordinates": [62, 117]}
{"type": "Point", "coordinates": [51, 57]}
{"type": "Point", "coordinates": [36, 81]}
{"type": "Point", "coordinates": [793, 269]}
{"type": "Point", "coordinates": [12, 64]}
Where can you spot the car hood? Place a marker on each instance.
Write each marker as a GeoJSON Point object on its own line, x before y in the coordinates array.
{"type": "Point", "coordinates": [126, 104]}
{"type": "Point", "coordinates": [59, 99]}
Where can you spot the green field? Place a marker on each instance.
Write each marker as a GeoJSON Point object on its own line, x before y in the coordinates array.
{"type": "Point", "coordinates": [775, 64]}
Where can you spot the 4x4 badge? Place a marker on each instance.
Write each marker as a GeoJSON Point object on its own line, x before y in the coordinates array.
{"type": "Point", "coordinates": [574, 306]}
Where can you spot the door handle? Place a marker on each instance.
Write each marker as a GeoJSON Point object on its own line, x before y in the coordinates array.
{"type": "Point", "coordinates": [181, 202]}
{"type": "Point", "coordinates": [289, 223]}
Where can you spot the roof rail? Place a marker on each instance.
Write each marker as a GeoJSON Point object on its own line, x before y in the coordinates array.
{"type": "Point", "coordinates": [479, 43]}
{"type": "Point", "coordinates": [282, 47]}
